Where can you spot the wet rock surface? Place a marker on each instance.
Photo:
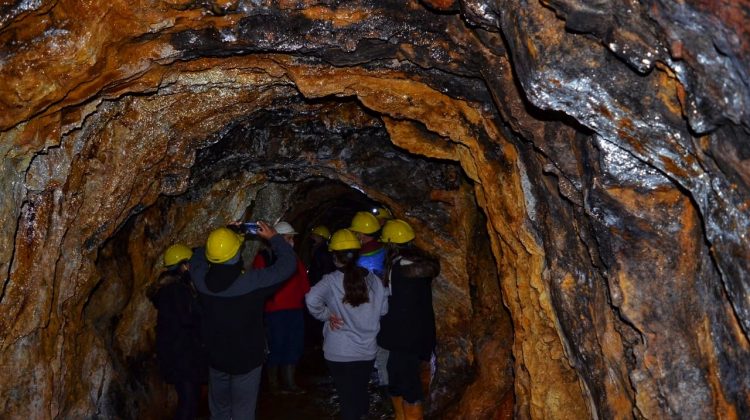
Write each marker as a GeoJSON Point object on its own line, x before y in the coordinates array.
{"type": "Point", "coordinates": [581, 168]}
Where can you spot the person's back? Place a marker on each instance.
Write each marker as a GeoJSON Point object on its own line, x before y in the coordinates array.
{"type": "Point", "coordinates": [409, 324]}
{"type": "Point", "coordinates": [178, 344]}
{"type": "Point", "coordinates": [233, 325]}
{"type": "Point", "coordinates": [356, 338]}
{"type": "Point", "coordinates": [350, 301]}
{"type": "Point", "coordinates": [408, 330]}
{"type": "Point", "coordinates": [182, 359]}
{"type": "Point", "coordinates": [232, 302]}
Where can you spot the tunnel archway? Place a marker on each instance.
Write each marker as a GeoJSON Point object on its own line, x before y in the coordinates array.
{"type": "Point", "coordinates": [253, 171]}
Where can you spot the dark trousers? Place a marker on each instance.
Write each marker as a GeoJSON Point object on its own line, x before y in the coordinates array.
{"type": "Point", "coordinates": [188, 395]}
{"type": "Point", "coordinates": [285, 332]}
{"type": "Point", "coordinates": [351, 379]}
{"type": "Point", "coordinates": [403, 376]}
{"type": "Point", "coordinates": [233, 396]}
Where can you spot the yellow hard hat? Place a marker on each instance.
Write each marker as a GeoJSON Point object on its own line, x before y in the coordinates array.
{"type": "Point", "coordinates": [322, 231]}
{"type": "Point", "coordinates": [397, 231]}
{"type": "Point", "coordinates": [344, 239]}
{"type": "Point", "coordinates": [364, 222]}
{"type": "Point", "coordinates": [176, 254]}
{"type": "Point", "coordinates": [382, 213]}
{"type": "Point", "coordinates": [222, 245]}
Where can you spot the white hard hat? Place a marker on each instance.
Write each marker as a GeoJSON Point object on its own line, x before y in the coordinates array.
{"type": "Point", "coordinates": [284, 228]}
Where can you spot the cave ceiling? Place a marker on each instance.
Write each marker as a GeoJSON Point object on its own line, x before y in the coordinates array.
{"type": "Point", "coordinates": [581, 167]}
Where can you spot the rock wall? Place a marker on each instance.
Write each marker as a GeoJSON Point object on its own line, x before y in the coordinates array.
{"type": "Point", "coordinates": [606, 146]}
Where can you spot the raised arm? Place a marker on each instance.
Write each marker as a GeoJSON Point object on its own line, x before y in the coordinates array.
{"type": "Point", "coordinates": [280, 270]}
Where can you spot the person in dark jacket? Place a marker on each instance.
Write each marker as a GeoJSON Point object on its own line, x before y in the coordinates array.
{"type": "Point", "coordinates": [321, 259]}
{"type": "Point", "coordinates": [232, 303]}
{"type": "Point", "coordinates": [408, 329]}
{"type": "Point", "coordinates": [179, 350]}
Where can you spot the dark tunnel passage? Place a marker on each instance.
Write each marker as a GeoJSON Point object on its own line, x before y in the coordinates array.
{"type": "Point", "coordinates": [257, 162]}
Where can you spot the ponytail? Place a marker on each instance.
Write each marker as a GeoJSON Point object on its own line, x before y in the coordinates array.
{"type": "Point", "coordinates": [355, 286]}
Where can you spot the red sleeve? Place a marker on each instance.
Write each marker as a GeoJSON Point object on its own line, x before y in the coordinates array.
{"type": "Point", "coordinates": [259, 262]}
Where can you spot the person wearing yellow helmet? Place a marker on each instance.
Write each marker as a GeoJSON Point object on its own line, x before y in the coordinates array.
{"type": "Point", "coordinates": [350, 302]}
{"type": "Point", "coordinates": [177, 254]}
{"type": "Point", "coordinates": [179, 349]}
{"type": "Point", "coordinates": [321, 232]}
{"type": "Point", "coordinates": [372, 254]}
{"type": "Point", "coordinates": [382, 214]}
{"type": "Point", "coordinates": [232, 302]}
{"type": "Point", "coordinates": [364, 222]}
{"type": "Point", "coordinates": [396, 231]}
{"type": "Point", "coordinates": [222, 245]}
{"type": "Point", "coordinates": [372, 257]}
{"type": "Point", "coordinates": [408, 329]}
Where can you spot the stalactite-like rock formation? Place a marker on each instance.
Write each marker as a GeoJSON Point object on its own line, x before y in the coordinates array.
{"type": "Point", "coordinates": [582, 169]}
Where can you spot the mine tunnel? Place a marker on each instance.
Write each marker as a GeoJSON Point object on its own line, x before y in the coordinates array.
{"type": "Point", "coordinates": [286, 163]}
{"type": "Point", "coordinates": [580, 169]}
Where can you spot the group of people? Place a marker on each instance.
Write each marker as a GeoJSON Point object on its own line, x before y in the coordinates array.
{"type": "Point", "coordinates": [371, 289]}
{"type": "Point", "coordinates": [377, 309]}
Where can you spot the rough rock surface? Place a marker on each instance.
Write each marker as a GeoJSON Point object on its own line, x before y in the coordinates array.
{"type": "Point", "coordinates": [582, 169]}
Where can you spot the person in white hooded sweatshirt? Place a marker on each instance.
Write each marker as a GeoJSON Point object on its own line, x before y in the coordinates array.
{"type": "Point", "coordinates": [350, 302]}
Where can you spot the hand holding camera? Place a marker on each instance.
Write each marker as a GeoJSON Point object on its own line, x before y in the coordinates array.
{"type": "Point", "coordinates": [249, 228]}
{"type": "Point", "coordinates": [259, 228]}
{"type": "Point", "coordinates": [245, 228]}
{"type": "Point", "coordinates": [265, 230]}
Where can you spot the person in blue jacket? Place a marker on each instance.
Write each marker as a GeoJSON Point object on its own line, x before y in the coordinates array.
{"type": "Point", "coordinates": [372, 254]}
{"type": "Point", "coordinates": [232, 307]}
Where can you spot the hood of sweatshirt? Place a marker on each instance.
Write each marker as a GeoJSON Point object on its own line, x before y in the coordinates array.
{"type": "Point", "coordinates": [419, 267]}
{"type": "Point", "coordinates": [221, 276]}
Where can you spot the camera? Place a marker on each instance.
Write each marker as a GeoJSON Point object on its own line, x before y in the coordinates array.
{"type": "Point", "coordinates": [249, 227]}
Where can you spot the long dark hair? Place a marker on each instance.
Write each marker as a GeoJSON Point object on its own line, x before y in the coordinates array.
{"type": "Point", "coordinates": [355, 286]}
